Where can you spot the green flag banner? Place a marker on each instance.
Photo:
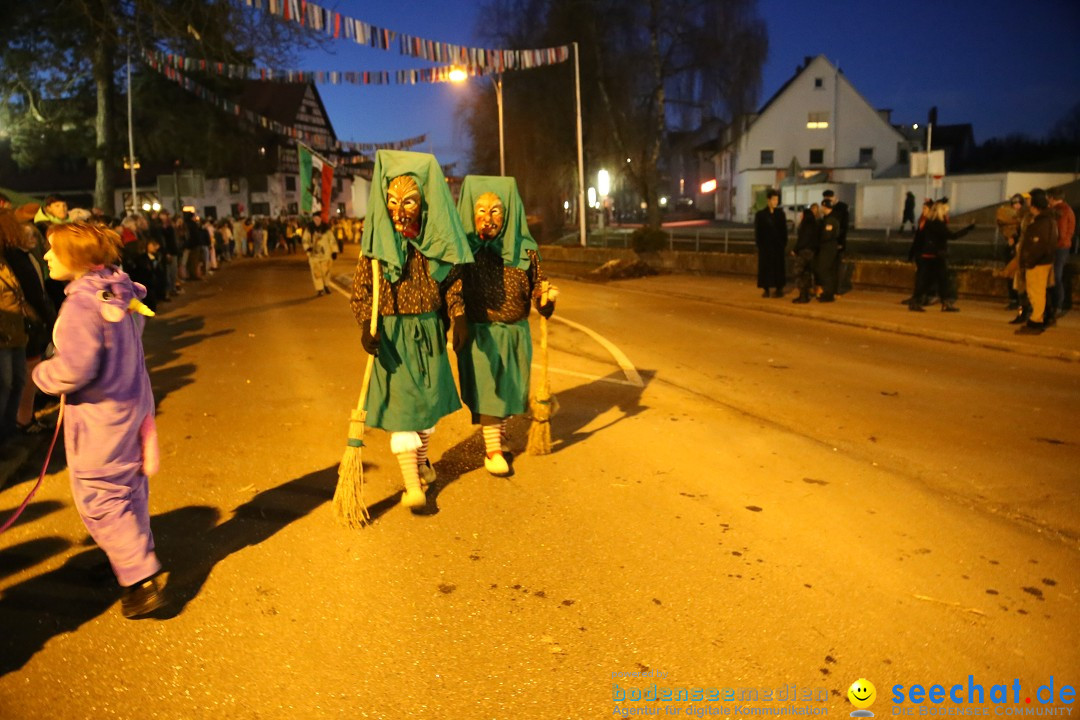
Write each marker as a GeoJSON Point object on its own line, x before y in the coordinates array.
{"type": "Point", "coordinates": [316, 183]}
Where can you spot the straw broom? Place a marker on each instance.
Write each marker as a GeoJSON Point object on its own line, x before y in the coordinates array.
{"type": "Point", "coordinates": [543, 404]}
{"type": "Point", "coordinates": [349, 506]}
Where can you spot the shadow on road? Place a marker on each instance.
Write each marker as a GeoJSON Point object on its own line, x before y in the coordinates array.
{"type": "Point", "coordinates": [578, 407]}
{"type": "Point", "coordinates": [190, 542]}
{"type": "Point", "coordinates": [165, 337]}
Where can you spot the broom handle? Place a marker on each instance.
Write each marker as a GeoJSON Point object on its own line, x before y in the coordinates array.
{"type": "Point", "coordinates": [544, 335]}
{"type": "Point", "coordinates": [362, 403]}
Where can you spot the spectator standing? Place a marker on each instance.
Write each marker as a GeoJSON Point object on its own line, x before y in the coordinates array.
{"type": "Point", "coordinates": [14, 311]}
{"type": "Point", "coordinates": [770, 236]}
{"type": "Point", "coordinates": [935, 252]}
{"type": "Point", "coordinates": [841, 216]}
{"type": "Point", "coordinates": [1037, 252]}
{"type": "Point", "coordinates": [1066, 226]}
{"type": "Point", "coordinates": [1008, 219]}
{"type": "Point", "coordinates": [909, 212]}
{"type": "Point", "coordinates": [825, 261]}
{"type": "Point", "coordinates": [806, 245]}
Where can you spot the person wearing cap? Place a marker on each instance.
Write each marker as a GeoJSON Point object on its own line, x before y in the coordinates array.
{"type": "Point", "coordinates": [1066, 223]}
{"type": "Point", "coordinates": [1037, 252]}
{"type": "Point", "coordinates": [415, 234]}
{"type": "Point", "coordinates": [771, 236]}
{"type": "Point", "coordinates": [491, 336]}
{"type": "Point", "coordinates": [842, 216]}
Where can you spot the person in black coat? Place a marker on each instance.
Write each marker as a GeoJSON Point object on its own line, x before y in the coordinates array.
{"type": "Point", "coordinates": [935, 252]}
{"type": "Point", "coordinates": [770, 236]}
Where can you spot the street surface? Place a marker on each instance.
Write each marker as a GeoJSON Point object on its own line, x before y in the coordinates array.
{"type": "Point", "coordinates": [750, 499]}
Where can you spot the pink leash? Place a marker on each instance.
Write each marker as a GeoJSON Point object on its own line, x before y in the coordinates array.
{"type": "Point", "coordinates": [48, 457]}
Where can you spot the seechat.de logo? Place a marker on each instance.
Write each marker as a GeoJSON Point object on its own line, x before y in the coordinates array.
{"type": "Point", "coordinates": [862, 695]}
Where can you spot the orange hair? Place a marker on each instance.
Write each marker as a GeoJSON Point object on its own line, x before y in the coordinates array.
{"type": "Point", "coordinates": [81, 246]}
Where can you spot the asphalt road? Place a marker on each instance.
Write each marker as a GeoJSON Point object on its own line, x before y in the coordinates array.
{"type": "Point", "coordinates": [749, 500]}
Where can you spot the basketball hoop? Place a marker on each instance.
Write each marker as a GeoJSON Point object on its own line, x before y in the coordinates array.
{"type": "Point", "coordinates": [938, 181]}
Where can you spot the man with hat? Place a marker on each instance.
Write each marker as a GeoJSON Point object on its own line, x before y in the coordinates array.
{"type": "Point", "coordinates": [827, 252]}
{"type": "Point", "coordinates": [841, 216]}
{"type": "Point", "coordinates": [771, 236]}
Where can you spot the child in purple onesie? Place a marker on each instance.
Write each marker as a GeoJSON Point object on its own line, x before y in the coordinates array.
{"type": "Point", "coordinates": [109, 431]}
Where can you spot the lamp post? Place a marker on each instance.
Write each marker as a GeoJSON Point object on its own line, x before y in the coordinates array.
{"type": "Point", "coordinates": [603, 187]}
{"type": "Point", "coordinates": [459, 75]}
{"type": "Point", "coordinates": [131, 142]}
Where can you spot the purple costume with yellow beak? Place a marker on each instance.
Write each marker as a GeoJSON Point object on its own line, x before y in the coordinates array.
{"type": "Point", "coordinates": [109, 431]}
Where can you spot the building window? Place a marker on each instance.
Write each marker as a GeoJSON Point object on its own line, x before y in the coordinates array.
{"type": "Point", "coordinates": [234, 210]}
{"type": "Point", "coordinates": [260, 208]}
{"type": "Point", "coordinates": [866, 155]}
{"type": "Point", "coordinates": [766, 157]}
{"type": "Point", "coordinates": [817, 121]}
{"type": "Point", "coordinates": [290, 183]}
{"type": "Point", "coordinates": [234, 186]}
{"type": "Point", "coordinates": [817, 156]}
{"type": "Point", "coordinates": [210, 212]}
{"type": "Point", "coordinates": [819, 83]}
{"type": "Point", "coordinates": [902, 155]}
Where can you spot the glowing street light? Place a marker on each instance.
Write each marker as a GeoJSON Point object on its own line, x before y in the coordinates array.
{"type": "Point", "coordinates": [458, 75]}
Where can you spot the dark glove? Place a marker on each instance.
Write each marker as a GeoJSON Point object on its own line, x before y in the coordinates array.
{"type": "Point", "coordinates": [459, 333]}
{"type": "Point", "coordinates": [369, 341]}
{"type": "Point", "coordinates": [333, 256]}
{"type": "Point", "coordinates": [547, 310]}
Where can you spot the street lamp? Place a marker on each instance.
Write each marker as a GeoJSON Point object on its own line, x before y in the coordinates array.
{"type": "Point", "coordinates": [603, 188]}
{"type": "Point", "coordinates": [459, 75]}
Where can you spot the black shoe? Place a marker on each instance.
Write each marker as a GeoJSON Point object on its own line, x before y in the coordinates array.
{"type": "Point", "coordinates": [949, 307]}
{"type": "Point", "coordinates": [1020, 318]}
{"type": "Point", "coordinates": [801, 299]}
{"type": "Point", "coordinates": [778, 293]}
{"type": "Point", "coordinates": [1030, 328]}
{"type": "Point", "coordinates": [916, 307]}
{"type": "Point", "coordinates": [826, 298]}
{"type": "Point", "coordinates": [1013, 306]}
{"type": "Point", "coordinates": [765, 293]}
{"type": "Point", "coordinates": [143, 598]}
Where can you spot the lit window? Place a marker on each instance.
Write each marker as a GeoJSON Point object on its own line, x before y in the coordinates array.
{"type": "Point", "coordinates": [817, 121]}
{"type": "Point", "coordinates": [708, 186]}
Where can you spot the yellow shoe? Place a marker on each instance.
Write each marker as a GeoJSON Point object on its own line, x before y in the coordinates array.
{"type": "Point", "coordinates": [413, 497]}
{"type": "Point", "coordinates": [495, 463]}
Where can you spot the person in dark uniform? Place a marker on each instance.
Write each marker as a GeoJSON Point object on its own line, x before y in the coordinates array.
{"type": "Point", "coordinates": [827, 252]}
{"type": "Point", "coordinates": [770, 236]}
{"type": "Point", "coordinates": [841, 216]}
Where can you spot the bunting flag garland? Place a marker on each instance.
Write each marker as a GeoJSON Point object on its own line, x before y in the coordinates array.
{"type": "Point", "coordinates": [321, 77]}
{"type": "Point", "coordinates": [320, 19]}
{"type": "Point", "coordinates": [315, 140]}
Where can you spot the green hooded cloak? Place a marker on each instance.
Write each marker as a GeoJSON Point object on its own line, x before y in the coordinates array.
{"type": "Point", "coordinates": [441, 240]}
{"type": "Point", "coordinates": [514, 241]}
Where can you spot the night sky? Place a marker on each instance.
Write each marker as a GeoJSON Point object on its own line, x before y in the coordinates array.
{"type": "Point", "coordinates": [997, 65]}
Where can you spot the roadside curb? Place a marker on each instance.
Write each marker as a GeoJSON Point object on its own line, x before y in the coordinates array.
{"type": "Point", "coordinates": [849, 321]}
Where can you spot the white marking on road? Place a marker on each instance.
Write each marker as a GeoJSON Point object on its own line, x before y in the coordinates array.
{"type": "Point", "coordinates": [346, 293]}
{"type": "Point", "coordinates": [587, 376]}
{"type": "Point", "coordinates": [627, 367]}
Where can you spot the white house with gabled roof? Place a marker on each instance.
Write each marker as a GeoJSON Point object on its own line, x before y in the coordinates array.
{"type": "Point", "coordinates": [817, 125]}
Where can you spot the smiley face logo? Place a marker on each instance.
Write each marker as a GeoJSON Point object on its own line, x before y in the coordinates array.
{"type": "Point", "coordinates": [862, 693]}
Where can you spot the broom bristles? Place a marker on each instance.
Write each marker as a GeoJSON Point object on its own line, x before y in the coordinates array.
{"type": "Point", "coordinates": [349, 506]}
{"type": "Point", "coordinates": [542, 408]}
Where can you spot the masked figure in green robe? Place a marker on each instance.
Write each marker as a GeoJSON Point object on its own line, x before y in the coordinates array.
{"type": "Point", "coordinates": [413, 230]}
{"type": "Point", "coordinates": [491, 339]}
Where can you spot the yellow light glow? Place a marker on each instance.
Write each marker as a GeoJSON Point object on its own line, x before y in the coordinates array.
{"type": "Point", "coordinates": [458, 75]}
{"type": "Point", "coordinates": [821, 125]}
{"type": "Point", "coordinates": [708, 186]}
